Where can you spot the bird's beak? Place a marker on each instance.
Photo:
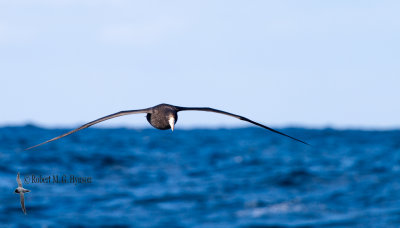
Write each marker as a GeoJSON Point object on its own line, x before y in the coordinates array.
{"type": "Point", "coordinates": [171, 123]}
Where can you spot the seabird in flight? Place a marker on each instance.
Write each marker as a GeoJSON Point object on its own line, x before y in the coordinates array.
{"type": "Point", "coordinates": [20, 190]}
{"type": "Point", "coordinates": [163, 117]}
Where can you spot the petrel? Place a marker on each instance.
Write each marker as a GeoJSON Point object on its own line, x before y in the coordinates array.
{"type": "Point", "coordinates": [163, 117]}
{"type": "Point", "coordinates": [20, 190]}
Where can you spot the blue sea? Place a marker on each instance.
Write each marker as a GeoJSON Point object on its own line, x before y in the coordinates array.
{"type": "Point", "coordinates": [244, 177]}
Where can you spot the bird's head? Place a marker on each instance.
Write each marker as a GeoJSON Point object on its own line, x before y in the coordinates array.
{"type": "Point", "coordinates": [172, 118]}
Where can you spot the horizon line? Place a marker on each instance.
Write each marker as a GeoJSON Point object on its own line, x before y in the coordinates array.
{"type": "Point", "coordinates": [208, 127]}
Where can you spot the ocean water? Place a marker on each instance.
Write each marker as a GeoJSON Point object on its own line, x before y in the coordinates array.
{"type": "Point", "coordinates": [246, 177]}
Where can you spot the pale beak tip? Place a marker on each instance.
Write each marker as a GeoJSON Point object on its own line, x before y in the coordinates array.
{"type": "Point", "coordinates": [172, 123]}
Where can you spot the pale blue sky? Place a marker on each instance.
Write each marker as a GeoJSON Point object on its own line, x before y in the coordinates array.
{"type": "Point", "coordinates": [308, 63]}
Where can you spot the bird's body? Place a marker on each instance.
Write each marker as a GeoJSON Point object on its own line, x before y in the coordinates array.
{"type": "Point", "coordinates": [163, 117]}
{"type": "Point", "coordinates": [160, 116]}
{"type": "Point", "coordinates": [20, 190]}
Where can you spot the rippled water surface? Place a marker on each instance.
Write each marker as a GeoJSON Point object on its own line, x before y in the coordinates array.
{"type": "Point", "coordinates": [202, 178]}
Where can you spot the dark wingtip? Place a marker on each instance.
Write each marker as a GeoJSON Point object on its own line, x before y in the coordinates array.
{"type": "Point", "coordinates": [298, 140]}
{"type": "Point", "coordinates": [306, 143]}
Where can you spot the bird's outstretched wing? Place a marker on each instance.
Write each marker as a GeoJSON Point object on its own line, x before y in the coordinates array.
{"type": "Point", "coordinates": [21, 197]}
{"type": "Point", "coordinates": [19, 180]}
{"type": "Point", "coordinates": [122, 113]}
{"type": "Point", "coordinates": [236, 116]}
